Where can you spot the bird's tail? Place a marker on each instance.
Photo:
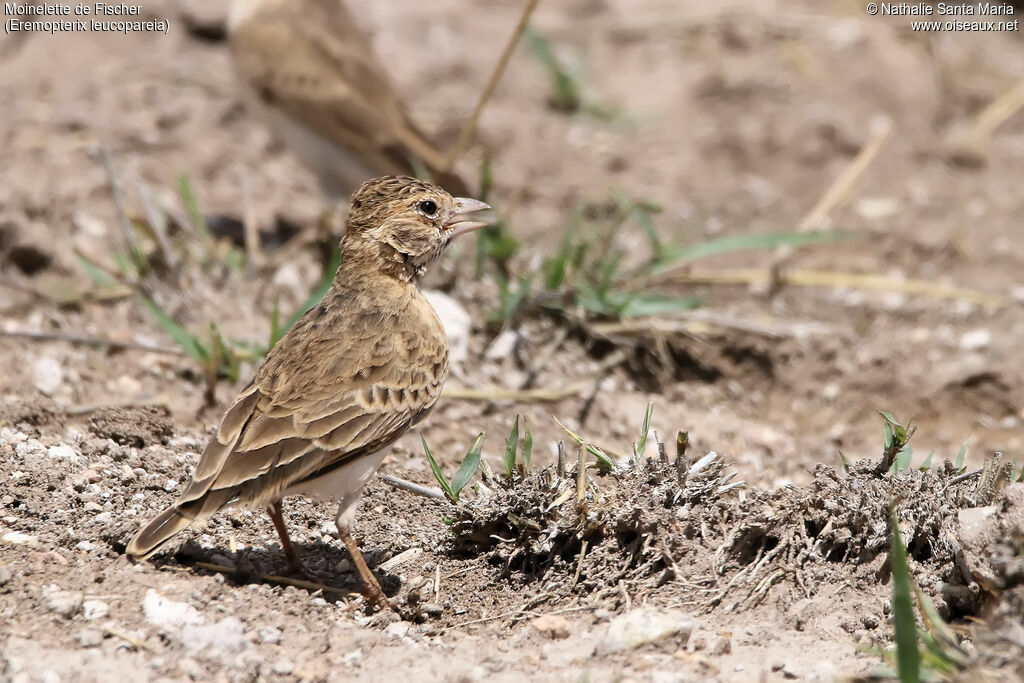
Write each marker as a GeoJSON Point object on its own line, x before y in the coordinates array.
{"type": "Point", "coordinates": [178, 516]}
{"type": "Point", "coordinates": [157, 532]}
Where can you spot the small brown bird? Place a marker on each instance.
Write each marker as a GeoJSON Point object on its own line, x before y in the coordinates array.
{"type": "Point", "coordinates": [312, 76]}
{"type": "Point", "coordinates": [353, 374]}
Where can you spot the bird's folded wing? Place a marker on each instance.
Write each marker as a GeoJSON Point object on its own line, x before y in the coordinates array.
{"type": "Point", "coordinates": [326, 77]}
{"type": "Point", "coordinates": [273, 438]}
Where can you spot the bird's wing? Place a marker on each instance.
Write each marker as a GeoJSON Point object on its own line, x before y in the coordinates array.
{"type": "Point", "coordinates": [329, 392]}
{"type": "Point", "coordinates": [317, 67]}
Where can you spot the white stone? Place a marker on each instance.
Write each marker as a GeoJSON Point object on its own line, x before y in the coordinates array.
{"type": "Point", "coordinates": [95, 609]}
{"type": "Point", "coordinates": [456, 323]}
{"type": "Point", "coordinates": [47, 375]}
{"type": "Point", "coordinates": [502, 346]}
{"type": "Point", "coordinates": [19, 538]}
{"type": "Point", "coordinates": [90, 637]}
{"type": "Point", "coordinates": [975, 340]}
{"type": "Point", "coordinates": [8, 435]}
{"type": "Point", "coordinates": [164, 613]}
{"type": "Point", "coordinates": [270, 634]}
{"type": "Point", "coordinates": [398, 629]}
{"type": "Point", "coordinates": [877, 208]}
{"type": "Point", "coordinates": [62, 452]}
{"type": "Point", "coordinates": [642, 626]}
{"type": "Point", "coordinates": [30, 449]}
{"type": "Point", "coordinates": [227, 635]}
{"type": "Point", "coordinates": [64, 603]}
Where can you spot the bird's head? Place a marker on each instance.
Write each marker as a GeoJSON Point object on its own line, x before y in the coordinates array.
{"type": "Point", "coordinates": [409, 222]}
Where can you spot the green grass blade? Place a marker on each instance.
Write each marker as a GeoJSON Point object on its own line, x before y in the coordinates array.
{"type": "Point", "coordinates": [527, 444]}
{"type": "Point", "coordinates": [645, 428]}
{"type": "Point", "coordinates": [961, 457]}
{"type": "Point", "coordinates": [96, 274]}
{"type": "Point", "coordinates": [438, 475]}
{"type": "Point", "coordinates": [468, 467]}
{"type": "Point", "coordinates": [908, 657]}
{"type": "Point", "coordinates": [640, 305]}
{"type": "Point", "coordinates": [903, 458]}
{"type": "Point", "coordinates": [511, 444]}
{"type": "Point", "coordinates": [927, 464]}
{"type": "Point", "coordinates": [512, 299]}
{"type": "Point", "coordinates": [673, 257]}
{"type": "Point", "coordinates": [188, 342]}
{"type": "Point", "coordinates": [887, 433]}
{"type": "Point", "coordinates": [604, 462]}
{"type": "Point", "coordinates": [275, 325]}
{"type": "Point", "coordinates": [188, 198]}
{"type": "Point", "coordinates": [565, 95]}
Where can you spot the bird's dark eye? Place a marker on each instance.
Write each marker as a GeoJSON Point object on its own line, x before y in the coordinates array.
{"type": "Point", "coordinates": [428, 208]}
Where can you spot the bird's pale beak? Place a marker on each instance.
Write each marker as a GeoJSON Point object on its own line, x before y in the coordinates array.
{"type": "Point", "coordinates": [469, 215]}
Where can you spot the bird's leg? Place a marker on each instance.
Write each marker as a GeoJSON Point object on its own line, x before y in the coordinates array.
{"type": "Point", "coordinates": [276, 516]}
{"type": "Point", "coordinates": [371, 588]}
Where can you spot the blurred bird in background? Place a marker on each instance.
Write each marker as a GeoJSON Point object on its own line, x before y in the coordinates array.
{"type": "Point", "coordinates": [311, 74]}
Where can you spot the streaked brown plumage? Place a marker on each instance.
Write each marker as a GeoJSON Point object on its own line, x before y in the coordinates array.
{"type": "Point", "coordinates": [352, 375]}
{"type": "Point", "coordinates": [312, 75]}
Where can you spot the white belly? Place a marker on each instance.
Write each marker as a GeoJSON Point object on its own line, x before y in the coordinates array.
{"type": "Point", "coordinates": [342, 482]}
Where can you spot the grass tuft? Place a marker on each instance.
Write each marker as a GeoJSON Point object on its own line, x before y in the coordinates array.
{"type": "Point", "coordinates": [908, 657]}
{"type": "Point", "coordinates": [463, 475]}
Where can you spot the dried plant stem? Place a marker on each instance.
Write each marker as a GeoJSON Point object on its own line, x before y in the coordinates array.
{"type": "Point", "coordinates": [467, 129]}
{"type": "Point", "coordinates": [579, 565]}
{"type": "Point", "coordinates": [425, 491]}
{"type": "Point", "coordinates": [547, 394]}
{"type": "Point", "coordinates": [835, 195]}
{"type": "Point", "coordinates": [836, 280]}
{"type": "Point", "coordinates": [131, 640]}
{"type": "Point", "coordinates": [999, 110]}
{"type": "Point", "coordinates": [581, 473]}
{"type": "Point", "coordinates": [840, 188]}
{"type": "Point", "coordinates": [89, 341]}
{"type": "Point", "coordinates": [253, 249]}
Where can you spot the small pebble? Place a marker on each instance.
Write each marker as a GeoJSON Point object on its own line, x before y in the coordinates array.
{"type": "Point", "coordinates": [47, 375]}
{"type": "Point", "coordinates": [975, 340]}
{"type": "Point", "coordinates": [283, 667]}
{"type": "Point", "coordinates": [90, 637]}
{"type": "Point", "coordinates": [95, 609]}
{"type": "Point", "coordinates": [432, 609]}
{"type": "Point", "coordinates": [6, 574]}
{"type": "Point", "coordinates": [62, 452]}
{"type": "Point", "coordinates": [270, 634]}
{"type": "Point", "coordinates": [720, 645]}
{"type": "Point", "coordinates": [64, 603]}
{"type": "Point", "coordinates": [398, 629]}
{"type": "Point", "coordinates": [19, 539]}
{"type": "Point", "coordinates": [553, 626]}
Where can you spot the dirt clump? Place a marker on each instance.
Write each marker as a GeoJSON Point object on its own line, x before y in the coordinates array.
{"type": "Point", "coordinates": [136, 427]}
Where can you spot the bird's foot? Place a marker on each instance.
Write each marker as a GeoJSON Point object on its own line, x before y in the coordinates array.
{"type": "Point", "coordinates": [374, 599]}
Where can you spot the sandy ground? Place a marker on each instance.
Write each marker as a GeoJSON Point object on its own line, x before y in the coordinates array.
{"type": "Point", "coordinates": [736, 119]}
